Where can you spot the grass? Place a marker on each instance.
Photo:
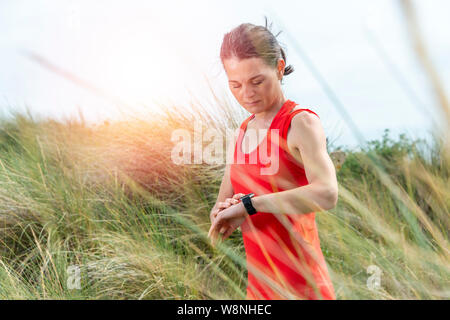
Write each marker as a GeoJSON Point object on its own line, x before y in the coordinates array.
{"type": "Point", "coordinates": [109, 200]}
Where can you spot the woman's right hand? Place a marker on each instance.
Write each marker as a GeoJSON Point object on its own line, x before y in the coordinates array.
{"type": "Point", "coordinates": [225, 204]}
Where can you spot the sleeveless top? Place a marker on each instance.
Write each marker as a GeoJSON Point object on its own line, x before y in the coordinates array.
{"type": "Point", "coordinates": [283, 254]}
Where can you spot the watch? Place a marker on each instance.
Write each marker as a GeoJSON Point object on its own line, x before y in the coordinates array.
{"type": "Point", "coordinates": [246, 200]}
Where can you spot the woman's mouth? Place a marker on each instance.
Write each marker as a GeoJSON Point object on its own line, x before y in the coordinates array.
{"type": "Point", "coordinates": [253, 103]}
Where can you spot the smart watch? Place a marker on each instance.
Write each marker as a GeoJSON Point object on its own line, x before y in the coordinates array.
{"type": "Point", "coordinates": [246, 200]}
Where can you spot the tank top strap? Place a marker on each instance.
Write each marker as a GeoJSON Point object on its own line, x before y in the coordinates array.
{"type": "Point", "coordinates": [242, 129]}
{"type": "Point", "coordinates": [291, 106]}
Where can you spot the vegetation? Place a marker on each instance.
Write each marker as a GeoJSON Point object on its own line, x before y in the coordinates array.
{"type": "Point", "coordinates": [109, 200]}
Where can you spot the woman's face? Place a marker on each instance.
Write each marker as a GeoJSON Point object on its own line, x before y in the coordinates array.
{"type": "Point", "coordinates": [255, 85]}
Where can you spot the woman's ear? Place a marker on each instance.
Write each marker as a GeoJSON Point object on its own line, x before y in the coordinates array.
{"type": "Point", "coordinates": [281, 66]}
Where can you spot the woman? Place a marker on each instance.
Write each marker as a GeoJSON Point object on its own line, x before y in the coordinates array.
{"type": "Point", "coordinates": [284, 258]}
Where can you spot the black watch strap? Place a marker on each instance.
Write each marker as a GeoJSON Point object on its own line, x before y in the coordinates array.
{"type": "Point", "coordinates": [246, 200]}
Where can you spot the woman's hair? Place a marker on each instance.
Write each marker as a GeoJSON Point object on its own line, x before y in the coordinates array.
{"type": "Point", "coordinates": [248, 40]}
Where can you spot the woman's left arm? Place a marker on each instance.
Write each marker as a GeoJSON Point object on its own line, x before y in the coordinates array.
{"type": "Point", "coordinates": [306, 135]}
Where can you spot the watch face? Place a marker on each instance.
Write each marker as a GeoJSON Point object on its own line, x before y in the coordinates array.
{"type": "Point", "coordinates": [247, 196]}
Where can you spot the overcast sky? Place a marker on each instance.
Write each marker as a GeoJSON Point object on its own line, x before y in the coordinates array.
{"type": "Point", "coordinates": [142, 52]}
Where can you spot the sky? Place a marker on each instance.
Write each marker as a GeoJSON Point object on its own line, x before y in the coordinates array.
{"type": "Point", "coordinates": [144, 53]}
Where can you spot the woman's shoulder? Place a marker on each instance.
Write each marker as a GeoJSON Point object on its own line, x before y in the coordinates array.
{"type": "Point", "coordinates": [299, 119]}
{"type": "Point", "coordinates": [304, 112]}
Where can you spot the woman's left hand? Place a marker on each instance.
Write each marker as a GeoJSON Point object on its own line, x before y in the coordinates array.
{"type": "Point", "coordinates": [229, 220]}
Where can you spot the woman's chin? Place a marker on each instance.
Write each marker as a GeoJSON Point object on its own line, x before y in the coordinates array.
{"type": "Point", "coordinates": [254, 108]}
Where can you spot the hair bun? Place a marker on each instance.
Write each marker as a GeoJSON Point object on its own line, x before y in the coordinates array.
{"type": "Point", "coordinates": [288, 70]}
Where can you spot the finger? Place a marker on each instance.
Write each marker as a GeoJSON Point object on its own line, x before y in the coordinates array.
{"type": "Point", "coordinates": [215, 215]}
{"type": "Point", "coordinates": [214, 210]}
{"type": "Point", "coordinates": [227, 233]}
{"type": "Point", "coordinates": [213, 231]}
{"type": "Point", "coordinates": [237, 196]}
{"type": "Point", "coordinates": [231, 201]}
{"type": "Point", "coordinates": [210, 232]}
{"type": "Point", "coordinates": [223, 205]}
{"type": "Point", "coordinates": [223, 230]}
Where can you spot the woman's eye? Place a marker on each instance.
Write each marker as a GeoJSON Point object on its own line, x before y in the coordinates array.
{"type": "Point", "coordinates": [254, 83]}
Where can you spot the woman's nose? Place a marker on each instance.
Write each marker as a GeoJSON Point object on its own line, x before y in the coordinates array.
{"type": "Point", "coordinates": [248, 93]}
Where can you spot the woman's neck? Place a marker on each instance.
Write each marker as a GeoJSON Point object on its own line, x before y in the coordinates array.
{"type": "Point", "coordinates": [266, 117]}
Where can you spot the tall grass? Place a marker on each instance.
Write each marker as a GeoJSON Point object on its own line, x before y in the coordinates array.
{"type": "Point", "coordinates": [109, 200]}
